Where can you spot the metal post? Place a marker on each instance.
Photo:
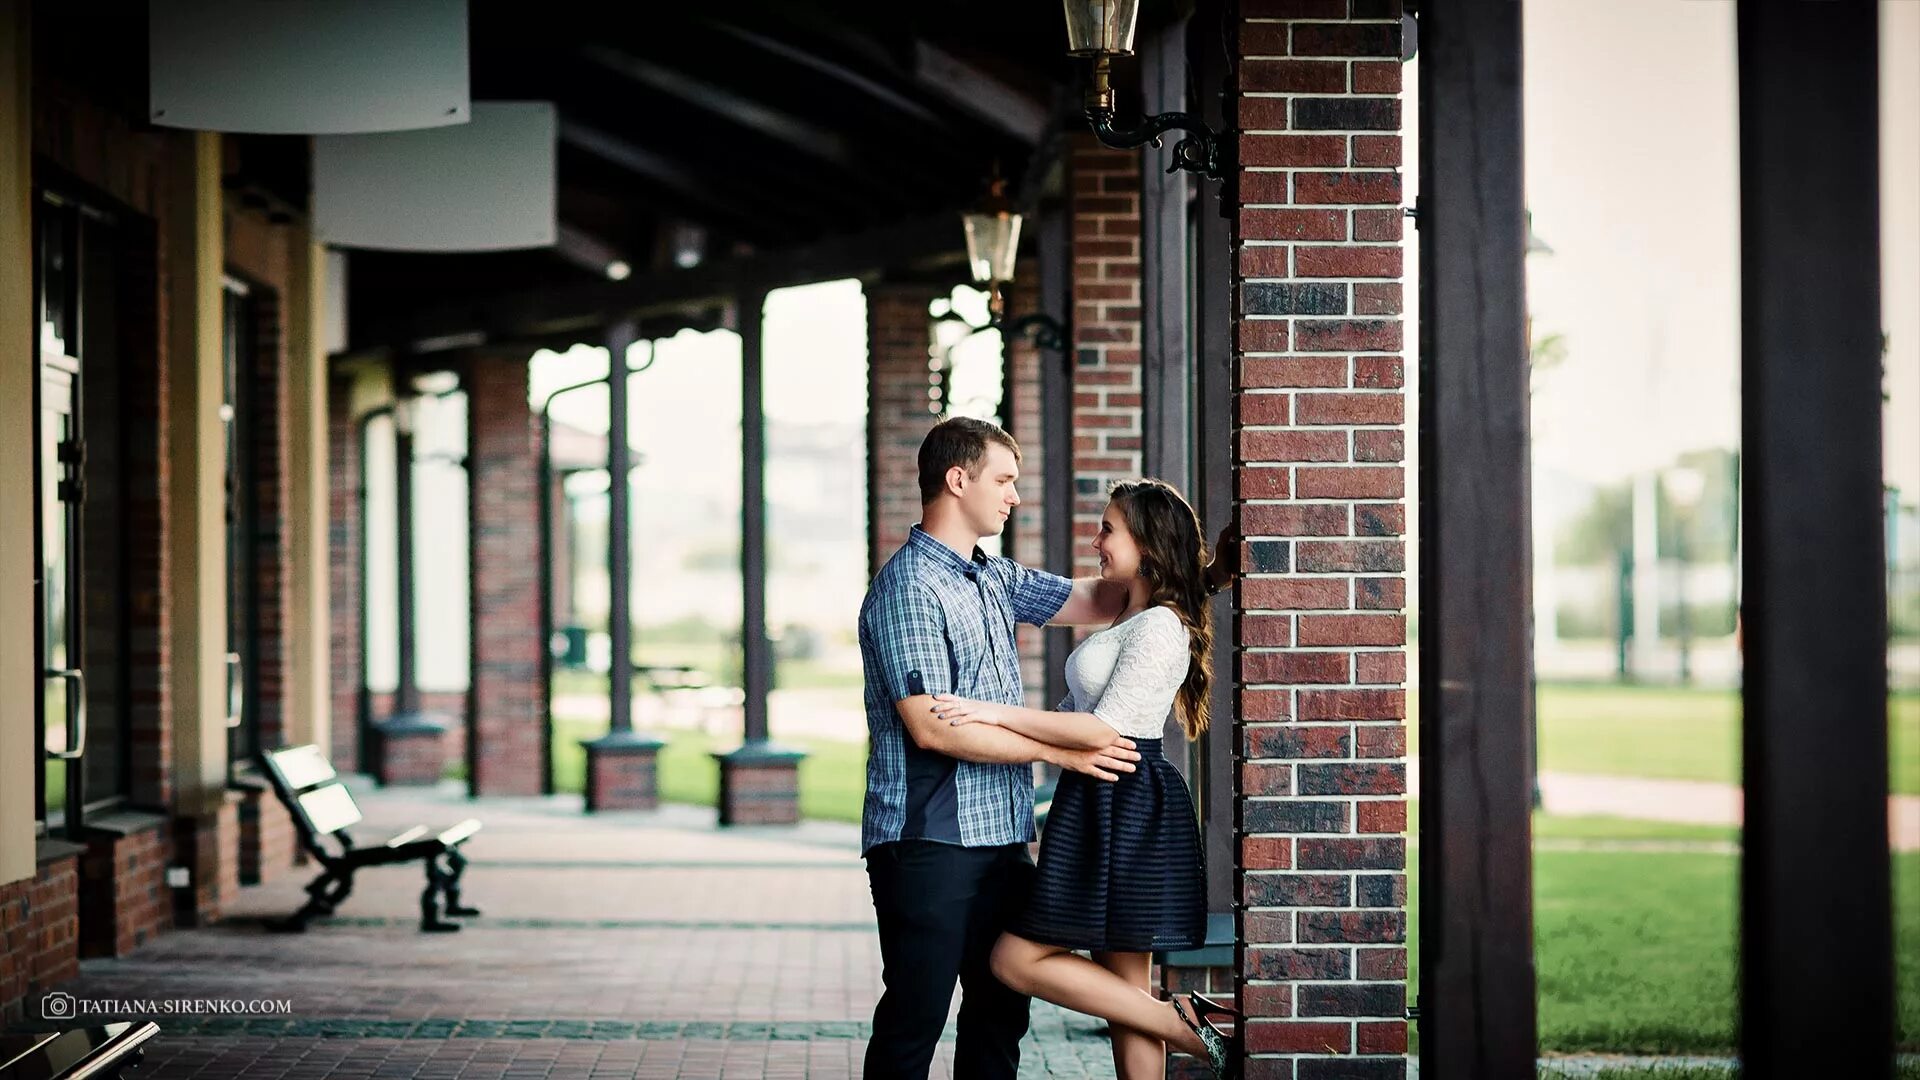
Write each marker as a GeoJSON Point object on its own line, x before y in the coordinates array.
{"type": "Point", "coordinates": [1056, 401]}
{"type": "Point", "coordinates": [1816, 904]}
{"type": "Point", "coordinates": [407, 693]}
{"type": "Point", "coordinates": [753, 517]}
{"type": "Point", "coordinates": [620, 337]}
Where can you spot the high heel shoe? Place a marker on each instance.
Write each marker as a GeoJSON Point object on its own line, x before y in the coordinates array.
{"type": "Point", "coordinates": [1221, 1059]}
{"type": "Point", "coordinates": [1206, 1006]}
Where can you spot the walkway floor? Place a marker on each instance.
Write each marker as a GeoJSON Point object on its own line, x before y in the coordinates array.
{"type": "Point", "coordinates": [1690, 801]}
{"type": "Point", "coordinates": [619, 945]}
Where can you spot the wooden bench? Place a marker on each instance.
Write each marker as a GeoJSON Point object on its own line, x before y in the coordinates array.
{"type": "Point", "coordinates": [323, 808]}
{"type": "Point", "coordinates": [90, 1053]}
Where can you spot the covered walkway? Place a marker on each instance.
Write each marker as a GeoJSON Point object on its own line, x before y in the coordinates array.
{"type": "Point", "coordinates": [626, 944]}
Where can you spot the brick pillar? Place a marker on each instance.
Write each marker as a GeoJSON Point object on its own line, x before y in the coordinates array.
{"type": "Point", "coordinates": [1026, 422]}
{"type": "Point", "coordinates": [143, 483]}
{"type": "Point", "coordinates": [899, 343]}
{"type": "Point", "coordinates": [1319, 644]}
{"type": "Point", "coordinates": [272, 555]}
{"type": "Point", "coordinates": [508, 724]}
{"type": "Point", "coordinates": [1107, 433]}
{"type": "Point", "coordinates": [345, 589]}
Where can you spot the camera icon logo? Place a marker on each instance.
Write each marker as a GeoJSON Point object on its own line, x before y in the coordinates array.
{"type": "Point", "coordinates": [57, 1006]}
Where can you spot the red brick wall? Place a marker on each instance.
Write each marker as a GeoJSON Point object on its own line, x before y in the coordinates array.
{"type": "Point", "coordinates": [899, 342]}
{"type": "Point", "coordinates": [39, 939]}
{"type": "Point", "coordinates": [1027, 423]}
{"type": "Point", "coordinates": [1320, 430]}
{"type": "Point", "coordinates": [1107, 433]}
{"type": "Point", "coordinates": [509, 701]}
{"type": "Point", "coordinates": [124, 900]}
{"type": "Point", "coordinates": [343, 576]}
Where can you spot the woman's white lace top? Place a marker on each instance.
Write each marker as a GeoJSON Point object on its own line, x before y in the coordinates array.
{"type": "Point", "coordinates": [1128, 675]}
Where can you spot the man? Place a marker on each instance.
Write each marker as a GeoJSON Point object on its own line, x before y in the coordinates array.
{"type": "Point", "coordinates": [949, 810]}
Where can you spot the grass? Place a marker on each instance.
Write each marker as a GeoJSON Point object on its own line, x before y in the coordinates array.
{"type": "Point", "coordinates": [1635, 951]}
{"type": "Point", "coordinates": [1673, 733]}
{"type": "Point", "coordinates": [833, 777]}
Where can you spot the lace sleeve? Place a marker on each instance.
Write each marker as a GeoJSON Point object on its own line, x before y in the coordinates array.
{"type": "Point", "coordinates": [1146, 676]}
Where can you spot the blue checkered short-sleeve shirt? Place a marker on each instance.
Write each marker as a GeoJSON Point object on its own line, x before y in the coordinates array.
{"type": "Point", "coordinates": [936, 623]}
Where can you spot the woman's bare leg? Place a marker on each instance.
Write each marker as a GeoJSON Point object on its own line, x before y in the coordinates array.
{"type": "Point", "coordinates": [1136, 1056]}
{"type": "Point", "coordinates": [1051, 973]}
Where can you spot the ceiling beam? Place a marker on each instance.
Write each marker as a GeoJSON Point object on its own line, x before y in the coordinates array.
{"type": "Point", "coordinates": [839, 72]}
{"type": "Point", "coordinates": [664, 170]}
{"type": "Point", "coordinates": [914, 246]}
{"type": "Point", "coordinates": [978, 93]}
{"type": "Point", "coordinates": [778, 124]}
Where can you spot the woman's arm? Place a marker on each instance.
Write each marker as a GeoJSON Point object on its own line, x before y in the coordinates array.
{"type": "Point", "coordinates": [1072, 730]}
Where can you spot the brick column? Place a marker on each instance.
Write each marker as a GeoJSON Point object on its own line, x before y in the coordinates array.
{"type": "Point", "coordinates": [508, 723]}
{"type": "Point", "coordinates": [1319, 428]}
{"type": "Point", "coordinates": [272, 552]}
{"type": "Point", "coordinates": [345, 589]}
{"type": "Point", "coordinates": [1107, 434]}
{"type": "Point", "coordinates": [899, 343]}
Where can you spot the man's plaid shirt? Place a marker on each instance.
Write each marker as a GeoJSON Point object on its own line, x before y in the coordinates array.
{"type": "Point", "coordinates": [950, 622]}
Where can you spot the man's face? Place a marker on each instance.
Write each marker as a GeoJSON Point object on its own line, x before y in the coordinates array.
{"type": "Point", "coordinates": [988, 499]}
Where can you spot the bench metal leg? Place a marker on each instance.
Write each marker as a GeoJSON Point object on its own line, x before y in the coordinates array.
{"type": "Point", "coordinates": [324, 893]}
{"type": "Point", "coordinates": [456, 866]}
{"type": "Point", "coordinates": [430, 919]}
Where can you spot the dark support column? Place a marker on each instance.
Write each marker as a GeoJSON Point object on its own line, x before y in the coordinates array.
{"type": "Point", "coordinates": [620, 338]}
{"type": "Point", "coordinates": [621, 773]}
{"type": "Point", "coordinates": [1166, 376]}
{"type": "Point", "coordinates": [412, 743]}
{"type": "Point", "coordinates": [749, 308]}
{"type": "Point", "coordinates": [759, 782]}
{"type": "Point", "coordinates": [1056, 398]}
{"type": "Point", "coordinates": [1476, 991]}
{"type": "Point", "coordinates": [1213, 452]}
{"type": "Point", "coordinates": [1816, 906]}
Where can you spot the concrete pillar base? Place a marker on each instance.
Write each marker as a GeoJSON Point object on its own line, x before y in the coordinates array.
{"type": "Point", "coordinates": [622, 772]}
{"type": "Point", "coordinates": [760, 785]}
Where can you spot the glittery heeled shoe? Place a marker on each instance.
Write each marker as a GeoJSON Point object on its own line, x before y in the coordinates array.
{"type": "Point", "coordinates": [1221, 1059]}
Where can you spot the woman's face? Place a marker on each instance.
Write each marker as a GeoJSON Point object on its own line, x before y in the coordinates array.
{"type": "Point", "coordinates": [1119, 552]}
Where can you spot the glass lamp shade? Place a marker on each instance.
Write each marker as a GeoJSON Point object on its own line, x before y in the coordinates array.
{"type": "Point", "coordinates": [993, 239]}
{"type": "Point", "coordinates": [1101, 27]}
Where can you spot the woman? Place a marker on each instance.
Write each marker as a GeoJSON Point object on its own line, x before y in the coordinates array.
{"type": "Point", "coordinates": [1121, 872]}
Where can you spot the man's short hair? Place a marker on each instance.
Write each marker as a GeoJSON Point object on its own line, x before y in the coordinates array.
{"type": "Point", "coordinates": [961, 441]}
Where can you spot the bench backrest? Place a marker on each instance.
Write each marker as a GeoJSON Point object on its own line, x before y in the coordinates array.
{"type": "Point", "coordinates": [306, 783]}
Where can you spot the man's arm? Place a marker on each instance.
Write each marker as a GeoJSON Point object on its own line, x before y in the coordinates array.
{"type": "Point", "coordinates": [988, 744]}
{"type": "Point", "coordinates": [1093, 602]}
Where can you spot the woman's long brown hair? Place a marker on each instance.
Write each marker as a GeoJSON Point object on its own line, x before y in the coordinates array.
{"type": "Point", "coordinates": [1174, 560]}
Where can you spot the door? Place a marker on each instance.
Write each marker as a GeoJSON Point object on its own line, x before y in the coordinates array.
{"type": "Point", "coordinates": [61, 720]}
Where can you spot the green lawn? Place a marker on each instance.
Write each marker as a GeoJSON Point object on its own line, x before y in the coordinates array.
{"type": "Point", "coordinates": [1673, 733]}
{"type": "Point", "coordinates": [1635, 951]}
{"type": "Point", "coordinates": [833, 778]}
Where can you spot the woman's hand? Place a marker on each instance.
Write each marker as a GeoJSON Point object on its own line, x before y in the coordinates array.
{"type": "Point", "coordinates": [959, 710]}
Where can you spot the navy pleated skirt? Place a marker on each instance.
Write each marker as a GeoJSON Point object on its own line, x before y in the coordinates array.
{"type": "Point", "coordinates": [1121, 867]}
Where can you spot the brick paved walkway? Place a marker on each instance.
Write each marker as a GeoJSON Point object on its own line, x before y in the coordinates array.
{"type": "Point", "coordinates": [621, 945]}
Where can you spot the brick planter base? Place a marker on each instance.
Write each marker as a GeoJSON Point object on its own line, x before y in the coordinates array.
{"type": "Point", "coordinates": [124, 902]}
{"type": "Point", "coordinates": [266, 835]}
{"type": "Point", "coordinates": [38, 938]}
{"type": "Point", "coordinates": [208, 845]}
{"type": "Point", "coordinates": [622, 772]}
{"type": "Point", "coordinates": [760, 785]}
{"type": "Point", "coordinates": [411, 749]}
